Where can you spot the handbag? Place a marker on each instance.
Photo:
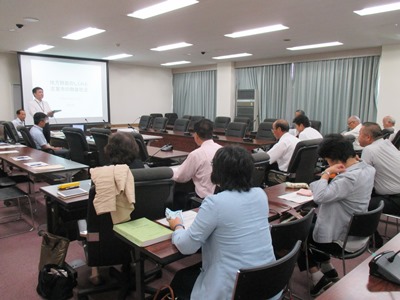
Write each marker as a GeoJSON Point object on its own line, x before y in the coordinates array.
{"type": "Point", "coordinates": [55, 282]}
{"type": "Point", "coordinates": [164, 293]}
{"type": "Point", "coordinates": [53, 249]}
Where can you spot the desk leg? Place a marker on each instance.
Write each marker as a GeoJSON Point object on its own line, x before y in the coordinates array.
{"type": "Point", "coordinates": [139, 272]}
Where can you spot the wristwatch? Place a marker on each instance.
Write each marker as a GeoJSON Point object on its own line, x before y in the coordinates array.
{"type": "Point", "coordinates": [326, 172]}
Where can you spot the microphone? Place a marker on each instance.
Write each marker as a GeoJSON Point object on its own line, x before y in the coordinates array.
{"type": "Point", "coordinates": [106, 126]}
{"type": "Point", "coordinates": [88, 121]}
{"type": "Point", "coordinates": [151, 156]}
{"type": "Point", "coordinates": [130, 126]}
{"type": "Point", "coordinates": [391, 259]}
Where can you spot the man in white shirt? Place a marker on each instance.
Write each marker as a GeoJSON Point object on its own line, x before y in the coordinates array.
{"type": "Point", "coordinates": [388, 123]}
{"type": "Point", "coordinates": [303, 127]}
{"type": "Point", "coordinates": [282, 151]}
{"type": "Point", "coordinates": [354, 125]}
{"type": "Point", "coordinates": [19, 121]}
{"type": "Point", "coordinates": [197, 166]}
{"type": "Point", "coordinates": [39, 105]}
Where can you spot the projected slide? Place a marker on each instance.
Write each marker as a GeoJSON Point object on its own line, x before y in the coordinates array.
{"type": "Point", "coordinates": [76, 87]}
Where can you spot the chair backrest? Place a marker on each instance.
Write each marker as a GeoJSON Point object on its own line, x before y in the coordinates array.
{"type": "Point", "coordinates": [187, 117]}
{"type": "Point", "coordinates": [144, 122]}
{"type": "Point", "coordinates": [11, 132]}
{"type": "Point", "coordinates": [285, 235]}
{"type": "Point", "coordinates": [26, 135]}
{"type": "Point", "coordinates": [154, 191]}
{"type": "Point", "coordinates": [171, 118]}
{"type": "Point", "coordinates": [266, 281]}
{"type": "Point", "coordinates": [303, 161]}
{"type": "Point", "coordinates": [77, 144]}
{"type": "Point", "coordinates": [236, 129]}
{"type": "Point", "coordinates": [396, 140]}
{"type": "Point", "coordinates": [159, 123]}
{"type": "Point", "coordinates": [181, 125]}
{"type": "Point", "coordinates": [351, 138]}
{"type": "Point", "coordinates": [316, 124]}
{"type": "Point", "coordinates": [144, 155]}
{"type": "Point", "coordinates": [156, 115]}
{"type": "Point", "coordinates": [194, 120]}
{"type": "Point", "coordinates": [387, 132]}
{"type": "Point", "coordinates": [221, 123]}
{"type": "Point", "coordinates": [272, 120]}
{"type": "Point", "coordinates": [264, 131]}
{"type": "Point", "coordinates": [261, 161]}
{"type": "Point", "coordinates": [100, 136]}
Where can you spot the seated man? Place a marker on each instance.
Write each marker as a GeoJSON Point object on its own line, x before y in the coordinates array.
{"type": "Point", "coordinates": [197, 166]}
{"type": "Point", "coordinates": [281, 153]}
{"type": "Point", "coordinates": [19, 121]}
{"type": "Point", "coordinates": [385, 158]}
{"type": "Point", "coordinates": [40, 119]}
{"type": "Point", "coordinates": [388, 123]}
{"type": "Point", "coordinates": [303, 127]}
{"type": "Point", "coordinates": [354, 125]}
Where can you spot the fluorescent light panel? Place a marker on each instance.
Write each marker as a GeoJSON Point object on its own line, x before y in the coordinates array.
{"type": "Point", "coordinates": [117, 56]}
{"type": "Point", "coordinates": [378, 9]}
{"type": "Point", "coordinates": [172, 46]}
{"type": "Point", "coordinates": [39, 48]}
{"type": "Point", "coordinates": [330, 44]}
{"type": "Point", "coordinates": [232, 56]}
{"type": "Point", "coordinates": [255, 31]}
{"type": "Point", "coordinates": [174, 63]}
{"type": "Point", "coordinates": [84, 33]}
{"type": "Point", "coordinates": [161, 8]}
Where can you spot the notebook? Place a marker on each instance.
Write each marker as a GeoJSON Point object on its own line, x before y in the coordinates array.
{"type": "Point", "coordinates": [72, 193]}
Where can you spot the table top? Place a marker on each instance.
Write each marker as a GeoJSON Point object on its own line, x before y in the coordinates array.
{"type": "Point", "coordinates": [157, 153]}
{"type": "Point", "coordinates": [51, 190]}
{"type": "Point", "coordinates": [40, 156]}
{"type": "Point", "coordinates": [358, 284]}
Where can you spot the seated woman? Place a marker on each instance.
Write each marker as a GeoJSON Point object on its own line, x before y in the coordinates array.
{"type": "Point", "coordinates": [231, 228]}
{"type": "Point", "coordinates": [123, 149]}
{"type": "Point", "coordinates": [347, 193]}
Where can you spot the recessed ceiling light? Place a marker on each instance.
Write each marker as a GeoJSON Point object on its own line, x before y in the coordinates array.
{"type": "Point", "coordinates": [117, 56]}
{"type": "Point", "coordinates": [39, 48]}
{"type": "Point", "coordinates": [330, 44]}
{"type": "Point", "coordinates": [174, 63]}
{"type": "Point", "coordinates": [255, 31]}
{"type": "Point", "coordinates": [232, 56]}
{"type": "Point", "coordinates": [378, 9]}
{"type": "Point", "coordinates": [30, 19]}
{"type": "Point", "coordinates": [161, 8]}
{"type": "Point", "coordinates": [172, 46]}
{"type": "Point", "coordinates": [84, 33]}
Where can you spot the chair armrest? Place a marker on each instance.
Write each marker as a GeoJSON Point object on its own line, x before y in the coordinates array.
{"type": "Point", "coordinates": [195, 201]}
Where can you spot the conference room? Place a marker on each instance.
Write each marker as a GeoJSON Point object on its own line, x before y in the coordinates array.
{"type": "Point", "coordinates": [355, 77]}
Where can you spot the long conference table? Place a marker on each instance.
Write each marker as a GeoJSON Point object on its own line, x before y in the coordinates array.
{"type": "Point", "coordinates": [183, 142]}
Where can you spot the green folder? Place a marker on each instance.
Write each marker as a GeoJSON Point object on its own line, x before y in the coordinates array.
{"type": "Point", "coordinates": [143, 232]}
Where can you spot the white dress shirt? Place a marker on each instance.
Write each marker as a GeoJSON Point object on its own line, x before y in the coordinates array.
{"type": "Point", "coordinates": [355, 132]}
{"type": "Point", "coordinates": [38, 106]}
{"type": "Point", "coordinates": [282, 152]}
{"type": "Point", "coordinates": [309, 133]}
{"type": "Point", "coordinates": [17, 122]}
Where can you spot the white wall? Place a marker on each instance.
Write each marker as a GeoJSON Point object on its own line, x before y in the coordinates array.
{"type": "Point", "coordinates": [389, 84]}
{"type": "Point", "coordinates": [225, 90]}
{"type": "Point", "coordinates": [9, 75]}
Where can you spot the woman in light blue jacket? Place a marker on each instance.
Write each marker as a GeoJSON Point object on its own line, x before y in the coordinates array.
{"type": "Point", "coordinates": [231, 228]}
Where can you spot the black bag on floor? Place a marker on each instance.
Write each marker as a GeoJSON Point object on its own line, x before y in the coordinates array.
{"type": "Point", "coordinates": [55, 282]}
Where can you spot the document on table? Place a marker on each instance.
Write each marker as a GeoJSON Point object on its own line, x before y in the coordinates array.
{"type": "Point", "coordinates": [36, 164]}
{"type": "Point", "coordinates": [8, 151]}
{"type": "Point", "coordinates": [188, 218]}
{"type": "Point", "coordinates": [294, 197]}
{"type": "Point", "coordinates": [19, 158]}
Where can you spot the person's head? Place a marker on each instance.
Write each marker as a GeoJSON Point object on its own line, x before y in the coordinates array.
{"type": "Point", "coordinates": [121, 148]}
{"type": "Point", "coordinates": [21, 114]}
{"type": "Point", "coordinates": [279, 128]}
{"type": "Point", "coordinates": [335, 149]}
{"type": "Point", "coordinates": [299, 112]}
{"type": "Point", "coordinates": [203, 130]}
{"type": "Point", "coordinates": [353, 122]}
{"type": "Point", "coordinates": [232, 168]}
{"type": "Point", "coordinates": [388, 122]}
{"type": "Point", "coordinates": [40, 119]}
{"type": "Point", "coordinates": [369, 133]}
{"type": "Point", "coordinates": [38, 93]}
{"type": "Point", "coordinates": [301, 122]}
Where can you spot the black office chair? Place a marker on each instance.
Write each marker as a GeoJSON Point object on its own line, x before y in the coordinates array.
{"type": "Point", "coordinates": [144, 155]}
{"type": "Point", "coordinates": [386, 133]}
{"type": "Point", "coordinates": [11, 133]}
{"type": "Point", "coordinates": [361, 225]}
{"type": "Point", "coordinates": [316, 125]}
{"type": "Point", "coordinates": [271, 120]}
{"type": "Point", "coordinates": [396, 140]}
{"type": "Point", "coordinates": [302, 164]}
{"type": "Point", "coordinates": [236, 129]}
{"type": "Point", "coordinates": [79, 148]}
{"type": "Point", "coordinates": [145, 122]}
{"type": "Point", "coordinates": [261, 161]}
{"type": "Point", "coordinates": [187, 117]}
{"type": "Point", "coordinates": [265, 281]}
{"type": "Point", "coordinates": [156, 115]}
{"type": "Point", "coordinates": [181, 125]}
{"type": "Point", "coordinates": [264, 131]}
{"type": "Point", "coordinates": [100, 136]}
{"type": "Point", "coordinates": [194, 120]}
{"type": "Point", "coordinates": [221, 123]}
{"type": "Point", "coordinates": [159, 123]}
{"type": "Point", "coordinates": [172, 117]}
{"type": "Point", "coordinates": [244, 120]}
